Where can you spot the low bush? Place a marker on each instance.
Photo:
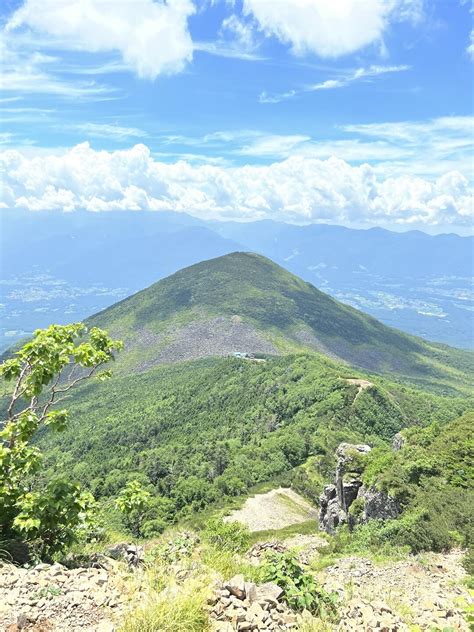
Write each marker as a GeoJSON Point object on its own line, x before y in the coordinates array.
{"type": "Point", "coordinates": [301, 590]}
{"type": "Point", "coordinates": [227, 536]}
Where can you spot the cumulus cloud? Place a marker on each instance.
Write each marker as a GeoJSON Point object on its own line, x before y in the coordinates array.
{"type": "Point", "coordinates": [152, 37]}
{"type": "Point", "coordinates": [296, 189]}
{"type": "Point", "coordinates": [329, 29]}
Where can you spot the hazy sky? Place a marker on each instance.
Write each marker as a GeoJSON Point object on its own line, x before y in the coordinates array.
{"type": "Point", "coordinates": [356, 112]}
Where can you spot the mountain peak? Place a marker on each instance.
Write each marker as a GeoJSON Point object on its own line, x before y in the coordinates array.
{"type": "Point", "coordinates": [244, 302]}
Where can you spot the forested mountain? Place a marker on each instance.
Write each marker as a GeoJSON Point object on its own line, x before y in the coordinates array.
{"type": "Point", "coordinates": [236, 378]}
{"type": "Point", "coordinates": [59, 267]}
{"type": "Point", "coordinates": [245, 303]}
{"type": "Point", "coordinates": [204, 430]}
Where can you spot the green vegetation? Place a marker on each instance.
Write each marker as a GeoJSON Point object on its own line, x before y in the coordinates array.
{"type": "Point", "coordinates": [133, 501]}
{"type": "Point", "coordinates": [182, 612]}
{"type": "Point", "coordinates": [432, 478]}
{"type": "Point", "coordinates": [301, 591]}
{"type": "Point", "coordinates": [49, 516]}
{"type": "Point", "coordinates": [290, 313]}
{"type": "Point", "coordinates": [195, 433]}
{"type": "Point", "coordinates": [176, 443]}
{"type": "Point", "coordinates": [227, 536]}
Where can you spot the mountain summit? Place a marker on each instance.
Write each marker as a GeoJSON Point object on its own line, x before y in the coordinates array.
{"type": "Point", "coordinates": [243, 302]}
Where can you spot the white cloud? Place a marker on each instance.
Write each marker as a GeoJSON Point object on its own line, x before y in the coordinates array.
{"type": "Point", "coordinates": [296, 189]}
{"type": "Point", "coordinates": [152, 37]}
{"type": "Point", "coordinates": [226, 49]}
{"type": "Point", "coordinates": [329, 28]}
{"type": "Point", "coordinates": [360, 74]}
{"type": "Point", "coordinates": [25, 71]}
{"type": "Point", "coordinates": [105, 130]}
{"type": "Point", "coordinates": [273, 145]}
{"type": "Point", "coordinates": [432, 146]}
{"type": "Point", "coordinates": [236, 40]}
{"type": "Point", "coordinates": [470, 48]}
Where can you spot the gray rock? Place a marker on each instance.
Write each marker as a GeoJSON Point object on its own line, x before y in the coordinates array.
{"type": "Point", "coordinates": [131, 553]}
{"type": "Point", "coordinates": [236, 586]}
{"type": "Point", "coordinates": [337, 499]}
{"type": "Point", "coordinates": [251, 592]}
{"type": "Point", "coordinates": [378, 505]}
{"type": "Point", "coordinates": [398, 442]}
{"type": "Point", "coordinates": [269, 592]}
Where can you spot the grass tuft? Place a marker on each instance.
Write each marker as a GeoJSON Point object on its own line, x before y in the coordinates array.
{"type": "Point", "coordinates": [182, 610]}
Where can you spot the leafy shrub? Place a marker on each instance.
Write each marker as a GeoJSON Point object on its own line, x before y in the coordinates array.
{"type": "Point", "coordinates": [133, 501]}
{"type": "Point", "coordinates": [52, 519]}
{"type": "Point", "coordinates": [49, 517]}
{"type": "Point", "coordinates": [301, 590]}
{"type": "Point", "coordinates": [227, 536]}
{"type": "Point", "coordinates": [152, 528]}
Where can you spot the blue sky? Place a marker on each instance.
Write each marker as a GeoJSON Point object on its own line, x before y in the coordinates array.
{"type": "Point", "coordinates": [356, 112]}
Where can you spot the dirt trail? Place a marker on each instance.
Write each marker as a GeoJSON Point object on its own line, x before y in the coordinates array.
{"type": "Point", "coordinates": [276, 509]}
{"type": "Point", "coordinates": [362, 384]}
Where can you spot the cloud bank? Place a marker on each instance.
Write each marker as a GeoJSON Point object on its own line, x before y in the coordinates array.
{"type": "Point", "coordinates": [297, 189]}
{"type": "Point", "coordinates": [329, 29]}
{"type": "Point", "coordinates": [152, 37]}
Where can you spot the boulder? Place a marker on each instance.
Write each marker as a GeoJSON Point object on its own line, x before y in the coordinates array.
{"type": "Point", "coordinates": [236, 586]}
{"type": "Point", "coordinates": [269, 592]}
{"type": "Point", "coordinates": [398, 442]}
{"type": "Point", "coordinates": [378, 505]}
{"type": "Point", "coordinates": [131, 553]}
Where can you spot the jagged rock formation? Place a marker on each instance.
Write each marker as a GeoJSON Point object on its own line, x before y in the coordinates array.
{"type": "Point", "coordinates": [398, 442]}
{"type": "Point", "coordinates": [337, 499]}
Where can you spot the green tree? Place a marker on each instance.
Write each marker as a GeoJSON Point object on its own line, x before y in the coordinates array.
{"type": "Point", "coordinates": [43, 371]}
{"type": "Point", "coordinates": [133, 501]}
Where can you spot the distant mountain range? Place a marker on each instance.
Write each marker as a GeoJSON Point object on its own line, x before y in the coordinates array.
{"type": "Point", "coordinates": [61, 267]}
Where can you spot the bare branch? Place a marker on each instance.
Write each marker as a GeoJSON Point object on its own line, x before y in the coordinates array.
{"type": "Point", "coordinates": [54, 390]}
{"type": "Point", "coordinates": [18, 391]}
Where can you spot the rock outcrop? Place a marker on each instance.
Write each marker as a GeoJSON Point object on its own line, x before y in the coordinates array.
{"type": "Point", "coordinates": [338, 501]}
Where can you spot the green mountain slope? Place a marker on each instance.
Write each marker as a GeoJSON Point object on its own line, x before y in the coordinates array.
{"type": "Point", "coordinates": [201, 431]}
{"type": "Point", "coordinates": [244, 302]}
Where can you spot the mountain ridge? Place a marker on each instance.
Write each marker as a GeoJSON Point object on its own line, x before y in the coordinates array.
{"type": "Point", "coordinates": [58, 267]}
{"type": "Point", "coordinates": [244, 302]}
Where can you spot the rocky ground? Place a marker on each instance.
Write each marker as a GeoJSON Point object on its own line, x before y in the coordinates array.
{"type": "Point", "coordinates": [424, 591]}
{"type": "Point", "coordinates": [276, 509]}
{"type": "Point", "coordinates": [53, 598]}
{"type": "Point", "coordinates": [244, 606]}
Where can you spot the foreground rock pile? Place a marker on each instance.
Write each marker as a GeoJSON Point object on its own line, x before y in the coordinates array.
{"type": "Point", "coordinates": [240, 605]}
{"type": "Point", "coordinates": [425, 591]}
{"type": "Point", "coordinates": [260, 549]}
{"type": "Point", "coordinates": [52, 597]}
